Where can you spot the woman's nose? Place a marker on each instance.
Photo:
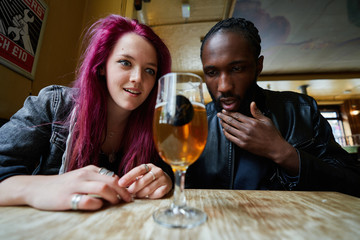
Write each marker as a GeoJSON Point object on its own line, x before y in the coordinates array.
{"type": "Point", "coordinates": [135, 75]}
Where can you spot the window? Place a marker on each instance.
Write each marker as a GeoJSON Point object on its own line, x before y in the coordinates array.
{"type": "Point", "coordinates": [332, 115]}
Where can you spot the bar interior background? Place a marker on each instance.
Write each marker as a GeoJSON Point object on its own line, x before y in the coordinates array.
{"type": "Point", "coordinates": [309, 46]}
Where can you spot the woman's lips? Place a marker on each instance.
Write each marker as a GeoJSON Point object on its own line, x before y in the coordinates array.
{"type": "Point", "coordinates": [132, 91]}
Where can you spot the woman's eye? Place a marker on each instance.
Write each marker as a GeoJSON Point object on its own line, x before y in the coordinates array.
{"type": "Point", "coordinates": [125, 63]}
{"type": "Point", "coordinates": [150, 71]}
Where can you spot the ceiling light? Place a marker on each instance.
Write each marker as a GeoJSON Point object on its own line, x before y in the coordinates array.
{"type": "Point", "coordinates": [185, 10]}
{"type": "Point", "coordinates": [354, 112]}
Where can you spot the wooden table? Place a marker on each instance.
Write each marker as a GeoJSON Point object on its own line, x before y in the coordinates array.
{"type": "Point", "coordinates": [232, 214]}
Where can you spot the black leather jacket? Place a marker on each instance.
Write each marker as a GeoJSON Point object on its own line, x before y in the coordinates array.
{"type": "Point", "coordinates": [324, 165]}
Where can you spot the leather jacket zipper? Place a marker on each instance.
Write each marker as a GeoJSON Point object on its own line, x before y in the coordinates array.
{"type": "Point", "coordinates": [231, 163]}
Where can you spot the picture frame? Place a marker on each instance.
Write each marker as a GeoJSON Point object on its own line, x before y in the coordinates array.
{"type": "Point", "coordinates": [22, 26]}
{"type": "Point", "coordinates": [304, 37]}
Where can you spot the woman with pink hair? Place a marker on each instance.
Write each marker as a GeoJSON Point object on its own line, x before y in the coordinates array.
{"type": "Point", "coordinates": [76, 148]}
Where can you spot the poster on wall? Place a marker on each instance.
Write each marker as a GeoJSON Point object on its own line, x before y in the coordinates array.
{"type": "Point", "coordinates": [22, 24]}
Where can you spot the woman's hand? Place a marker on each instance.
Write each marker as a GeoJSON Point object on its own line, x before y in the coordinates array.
{"type": "Point", "coordinates": [146, 181]}
{"type": "Point", "coordinates": [57, 192]}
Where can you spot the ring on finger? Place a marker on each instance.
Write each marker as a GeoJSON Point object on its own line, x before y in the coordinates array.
{"type": "Point", "coordinates": [75, 201]}
{"type": "Point", "coordinates": [146, 168]}
{"type": "Point", "coordinates": [153, 175]}
{"type": "Point", "coordinates": [104, 171]}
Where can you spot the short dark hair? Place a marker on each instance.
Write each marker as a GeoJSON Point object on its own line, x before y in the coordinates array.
{"type": "Point", "coordinates": [237, 25]}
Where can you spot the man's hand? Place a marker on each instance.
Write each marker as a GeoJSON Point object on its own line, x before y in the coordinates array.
{"type": "Point", "coordinates": [259, 136]}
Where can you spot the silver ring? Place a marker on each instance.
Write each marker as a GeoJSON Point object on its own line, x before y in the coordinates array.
{"type": "Point", "coordinates": [104, 171]}
{"type": "Point", "coordinates": [75, 201]}
{"type": "Point", "coordinates": [146, 168]}
{"type": "Point", "coordinates": [153, 175]}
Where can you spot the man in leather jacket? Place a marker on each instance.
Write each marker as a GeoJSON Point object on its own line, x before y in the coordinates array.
{"type": "Point", "coordinates": [261, 139]}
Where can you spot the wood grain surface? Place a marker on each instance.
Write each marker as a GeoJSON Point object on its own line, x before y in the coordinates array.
{"type": "Point", "coordinates": [232, 214]}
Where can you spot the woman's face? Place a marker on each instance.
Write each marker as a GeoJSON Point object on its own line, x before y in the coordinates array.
{"type": "Point", "coordinates": [130, 71]}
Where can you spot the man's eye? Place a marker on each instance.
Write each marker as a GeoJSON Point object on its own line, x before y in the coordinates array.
{"type": "Point", "coordinates": [238, 68]}
{"type": "Point", "coordinates": [150, 71]}
{"type": "Point", "coordinates": [210, 73]}
{"type": "Point", "coordinates": [125, 63]}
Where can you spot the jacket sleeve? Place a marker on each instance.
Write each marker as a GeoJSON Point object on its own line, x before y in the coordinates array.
{"type": "Point", "coordinates": [27, 135]}
{"type": "Point", "coordinates": [324, 164]}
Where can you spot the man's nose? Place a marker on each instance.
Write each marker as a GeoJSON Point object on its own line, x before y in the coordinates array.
{"type": "Point", "coordinates": [224, 84]}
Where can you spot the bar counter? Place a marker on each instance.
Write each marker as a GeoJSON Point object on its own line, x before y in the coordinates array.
{"type": "Point", "coordinates": [232, 214]}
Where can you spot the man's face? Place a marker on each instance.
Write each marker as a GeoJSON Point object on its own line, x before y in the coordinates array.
{"type": "Point", "coordinates": [230, 69]}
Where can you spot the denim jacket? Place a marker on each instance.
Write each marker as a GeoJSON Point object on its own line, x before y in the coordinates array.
{"type": "Point", "coordinates": [33, 142]}
{"type": "Point", "coordinates": [34, 139]}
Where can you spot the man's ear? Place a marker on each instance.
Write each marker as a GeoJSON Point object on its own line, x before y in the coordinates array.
{"type": "Point", "coordinates": [259, 65]}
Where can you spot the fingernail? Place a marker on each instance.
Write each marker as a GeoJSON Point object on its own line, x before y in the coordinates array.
{"type": "Point", "coordinates": [120, 182]}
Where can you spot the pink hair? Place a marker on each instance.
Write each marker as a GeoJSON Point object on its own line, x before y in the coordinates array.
{"type": "Point", "coordinates": [90, 102]}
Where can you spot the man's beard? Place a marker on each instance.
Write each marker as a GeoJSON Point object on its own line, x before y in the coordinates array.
{"type": "Point", "coordinates": [244, 102]}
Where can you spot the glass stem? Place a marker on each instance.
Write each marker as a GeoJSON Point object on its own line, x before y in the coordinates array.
{"type": "Point", "coordinates": [179, 199]}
